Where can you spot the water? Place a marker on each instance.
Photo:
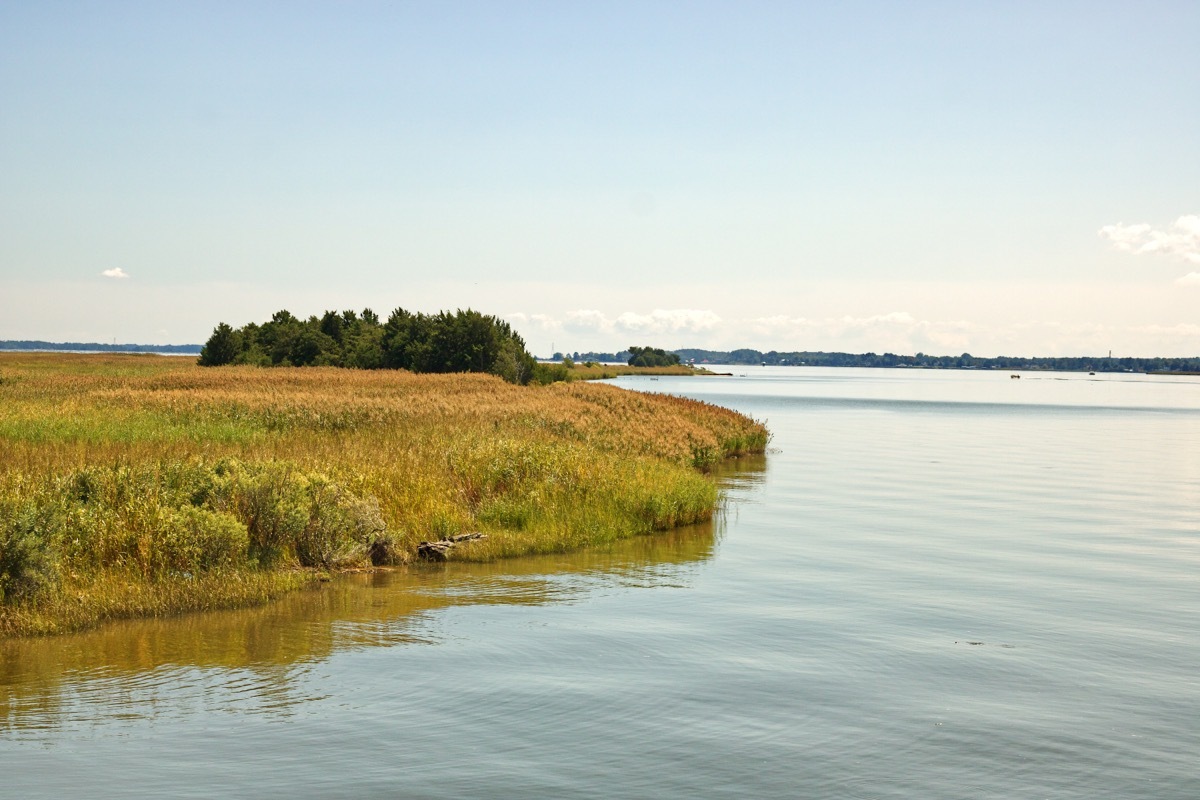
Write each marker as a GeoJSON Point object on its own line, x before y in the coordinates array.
{"type": "Point", "coordinates": [935, 585]}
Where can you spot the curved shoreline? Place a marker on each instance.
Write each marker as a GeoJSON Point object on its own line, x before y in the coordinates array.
{"type": "Point", "coordinates": [150, 487]}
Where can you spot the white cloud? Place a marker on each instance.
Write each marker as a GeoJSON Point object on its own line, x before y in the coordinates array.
{"type": "Point", "coordinates": [661, 320]}
{"type": "Point", "coordinates": [1027, 320]}
{"type": "Point", "coordinates": [1191, 279]}
{"type": "Point", "coordinates": [1181, 240]}
{"type": "Point", "coordinates": [898, 331]}
{"type": "Point", "coordinates": [658, 321]}
{"type": "Point", "coordinates": [586, 320]}
{"type": "Point", "coordinates": [115, 272]}
{"type": "Point", "coordinates": [1182, 330]}
{"type": "Point", "coordinates": [544, 322]}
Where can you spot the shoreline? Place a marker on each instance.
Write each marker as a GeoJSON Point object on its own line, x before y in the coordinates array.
{"type": "Point", "coordinates": [153, 487]}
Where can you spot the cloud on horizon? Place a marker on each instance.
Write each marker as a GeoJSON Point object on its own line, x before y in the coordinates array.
{"type": "Point", "coordinates": [591, 321]}
{"type": "Point", "coordinates": [895, 332]}
{"type": "Point", "coordinates": [115, 272]}
{"type": "Point", "coordinates": [1181, 240]}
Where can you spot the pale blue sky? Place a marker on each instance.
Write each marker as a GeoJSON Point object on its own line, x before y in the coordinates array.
{"type": "Point", "coordinates": [858, 176]}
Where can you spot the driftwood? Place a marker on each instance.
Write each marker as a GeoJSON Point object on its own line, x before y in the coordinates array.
{"type": "Point", "coordinates": [436, 551]}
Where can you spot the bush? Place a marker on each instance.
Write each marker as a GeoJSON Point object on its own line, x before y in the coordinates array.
{"type": "Point", "coordinates": [197, 539]}
{"type": "Point", "coordinates": [544, 374]}
{"type": "Point", "coordinates": [341, 529]}
{"type": "Point", "coordinates": [27, 564]}
{"type": "Point", "coordinates": [308, 517]}
{"type": "Point", "coordinates": [270, 504]}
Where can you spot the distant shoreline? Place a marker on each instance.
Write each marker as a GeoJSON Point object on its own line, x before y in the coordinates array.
{"type": "Point", "coordinates": [20, 346]}
{"type": "Point", "coordinates": [747, 357]}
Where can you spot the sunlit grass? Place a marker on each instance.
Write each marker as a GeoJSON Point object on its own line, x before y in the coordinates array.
{"type": "Point", "coordinates": [590, 370]}
{"type": "Point", "coordinates": [134, 486]}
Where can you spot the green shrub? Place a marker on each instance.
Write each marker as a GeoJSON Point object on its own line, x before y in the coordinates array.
{"type": "Point", "coordinates": [270, 504]}
{"type": "Point", "coordinates": [28, 567]}
{"type": "Point", "coordinates": [198, 539]}
{"type": "Point", "coordinates": [342, 529]}
{"type": "Point", "coordinates": [308, 517]}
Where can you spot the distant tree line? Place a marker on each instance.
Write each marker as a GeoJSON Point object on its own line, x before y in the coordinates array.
{"type": "Point", "coordinates": [99, 347]}
{"type": "Point", "coordinates": [651, 357]}
{"type": "Point", "coordinates": [462, 341]}
{"type": "Point", "coordinates": [964, 361]}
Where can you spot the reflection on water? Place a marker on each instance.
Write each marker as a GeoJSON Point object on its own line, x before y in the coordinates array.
{"type": "Point", "coordinates": [249, 660]}
{"type": "Point", "coordinates": [822, 647]}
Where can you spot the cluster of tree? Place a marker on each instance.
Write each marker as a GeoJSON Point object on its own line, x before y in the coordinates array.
{"type": "Point", "coordinates": [651, 357]}
{"type": "Point", "coordinates": [462, 341]}
{"type": "Point", "coordinates": [602, 358]}
{"type": "Point", "coordinates": [964, 361]}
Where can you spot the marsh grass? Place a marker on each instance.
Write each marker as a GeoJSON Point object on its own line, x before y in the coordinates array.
{"type": "Point", "coordinates": [590, 371]}
{"type": "Point", "coordinates": [141, 485]}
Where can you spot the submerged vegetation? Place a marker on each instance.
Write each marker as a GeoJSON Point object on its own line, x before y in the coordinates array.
{"type": "Point", "coordinates": [143, 485]}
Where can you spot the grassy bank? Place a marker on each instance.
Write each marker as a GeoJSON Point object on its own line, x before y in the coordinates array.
{"type": "Point", "coordinates": [592, 371]}
{"type": "Point", "coordinates": [143, 485]}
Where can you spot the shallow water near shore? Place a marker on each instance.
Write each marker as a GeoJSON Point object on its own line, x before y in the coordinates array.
{"type": "Point", "coordinates": [937, 584]}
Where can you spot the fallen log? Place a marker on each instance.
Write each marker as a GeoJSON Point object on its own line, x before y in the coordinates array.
{"type": "Point", "coordinates": [436, 551]}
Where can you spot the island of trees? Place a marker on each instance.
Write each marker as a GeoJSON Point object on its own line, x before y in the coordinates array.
{"type": "Point", "coordinates": [652, 357]}
{"type": "Point", "coordinates": [462, 341]}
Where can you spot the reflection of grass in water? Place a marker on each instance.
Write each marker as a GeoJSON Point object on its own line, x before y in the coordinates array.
{"type": "Point", "coordinates": [373, 609]}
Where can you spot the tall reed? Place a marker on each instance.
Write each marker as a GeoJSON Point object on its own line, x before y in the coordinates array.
{"type": "Point", "coordinates": [140, 485]}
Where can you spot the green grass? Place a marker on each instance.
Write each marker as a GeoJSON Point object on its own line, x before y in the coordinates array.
{"type": "Point", "coordinates": [142, 486]}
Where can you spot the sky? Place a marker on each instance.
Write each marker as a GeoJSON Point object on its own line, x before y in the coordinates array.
{"type": "Point", "coordinates": [998, 178]}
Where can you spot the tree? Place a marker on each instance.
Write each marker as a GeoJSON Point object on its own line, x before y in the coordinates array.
{"type": "Point", "coordinates": [514, 364]}
{"type": "Point", "coordinates": [651, 357]}
{"type": "Point", "coordinates": [463, 341]}
{"type": "Point", "coordinates": [222, 347]}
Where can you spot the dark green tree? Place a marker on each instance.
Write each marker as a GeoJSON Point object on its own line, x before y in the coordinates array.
{"type": "Point", "coordinates": [462, 341]}
{"type": "Point", "coordinates": [222, 347]}
{"type": "Point", "coordinates": [651, 357]}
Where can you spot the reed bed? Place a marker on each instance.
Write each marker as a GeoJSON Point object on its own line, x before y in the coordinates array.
{"type": "Point", "coordinates": [145, 485]}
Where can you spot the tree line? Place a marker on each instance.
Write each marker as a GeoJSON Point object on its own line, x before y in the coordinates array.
{"type": "Point", "coordinates": [460, 341]}
{"type": "Point", "coordinates": [964, 361]}
{"type": "Point", "coordinates": [97, 347]}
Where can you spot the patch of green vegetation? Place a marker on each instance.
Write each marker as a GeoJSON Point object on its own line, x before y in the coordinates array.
{"type": "Point", "coordinates": [158, 486]}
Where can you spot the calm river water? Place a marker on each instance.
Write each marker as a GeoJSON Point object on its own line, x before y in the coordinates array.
{"type": "Point", "coordinates": [937, 584]}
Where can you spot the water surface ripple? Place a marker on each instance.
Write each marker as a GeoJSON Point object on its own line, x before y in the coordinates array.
{"type": "Point", "coordinates": [936, 585]}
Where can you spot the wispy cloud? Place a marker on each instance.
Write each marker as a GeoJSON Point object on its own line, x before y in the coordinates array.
{"type": "Point", "coordinates": [1181, 240]}
{"type": "Point", "coordinates": [658, 321]}
{"type": "Point", "coordinates": [1191, 279]}
{"type": "Point", "coordinates": [540, 321]}
{"type": "Point", "coordinates": [895, 332]}
{"type": "Point", "coordinates": [661, 320]}
{"type": "Point", "coordinates": [587, 321]}
{"type": "Point", "coordinates": [115, 272]}
{"type": "Point", "coordinates": [898, 330]}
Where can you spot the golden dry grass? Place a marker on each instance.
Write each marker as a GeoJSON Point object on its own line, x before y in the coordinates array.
{"type": "Point", "coordinates": [590, 370]}
{"type": "Point", "coordinates": [538, 469]}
